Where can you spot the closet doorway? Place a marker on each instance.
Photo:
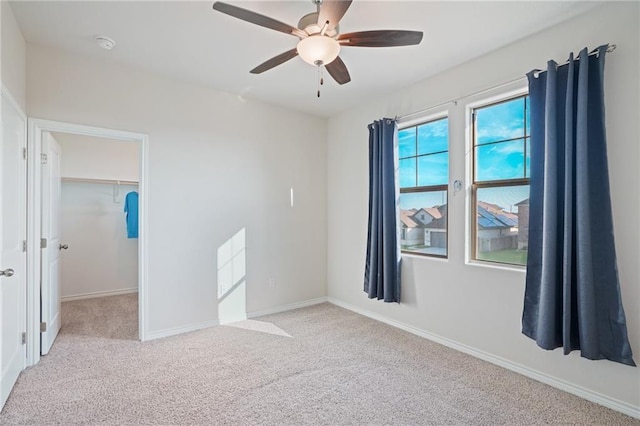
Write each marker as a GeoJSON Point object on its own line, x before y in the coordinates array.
{"type": "Point", "coordinates": [89, 220]}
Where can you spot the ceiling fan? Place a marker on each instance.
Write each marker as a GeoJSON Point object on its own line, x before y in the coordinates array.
{"type": "Point", "coordinates": [319, 36]}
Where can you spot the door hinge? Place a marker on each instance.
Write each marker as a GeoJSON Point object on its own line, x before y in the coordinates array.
{"type": "Point", "coordinates": [24, 245]}
{"type": "Point", "coordinates": [24, 153]}
{"type": "Point", "coordinates": [24, 337]}
{"type": "Point", "coordinates": [43, 243]}
{"type": "Point", "coordinates": [43, 158]}
{"type": "Point", "coordinates": [43, 327]}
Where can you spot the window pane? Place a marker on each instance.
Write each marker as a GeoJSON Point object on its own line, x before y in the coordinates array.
{"type": "Point", "coordinates": [433, 169]}
{"type": "Point", "coordinates": [407, 142]}
{"type": "Point", "coordinates": [502, 224]}
{"type": "Point", "coordinates": [499, 122]}
{"type": "Point", "coordinates": [433, 137]}
{"type": "Point", "coordinates": [423, 217]}
{"type": "Point", "coordinates": [408, 173]}
{"type": "Point", "coordinates": [503, 160]}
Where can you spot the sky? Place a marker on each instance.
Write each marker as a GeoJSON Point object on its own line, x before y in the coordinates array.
{"type": "Point", "coordinates": [431, 139]}
{"type": "Point", "coordinates": [418, 200]}
{"type": "Point", "coordinates": [495, 158]}
{"type": "Point", "coordinates": [502, 160]}
{"type": "Point", "coordinates": [506, 197]}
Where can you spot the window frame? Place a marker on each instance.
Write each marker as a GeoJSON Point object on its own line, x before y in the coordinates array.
{"type": "Point", "coordinates": [499, 183]}
{"type": "Point", "coordinates": [425, 188]}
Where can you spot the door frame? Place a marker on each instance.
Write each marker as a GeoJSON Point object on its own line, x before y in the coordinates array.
{"type": "Point", "coordinates": [36, 127]}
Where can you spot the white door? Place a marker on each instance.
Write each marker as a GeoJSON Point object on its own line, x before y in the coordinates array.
{"type": "Point", "coordinates": [13, 235]}
{"type": "Point", "coordinates": [50, 287]}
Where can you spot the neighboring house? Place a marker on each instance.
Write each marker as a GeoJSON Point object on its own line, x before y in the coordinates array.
{"type": "Point", "coordinates": [424, 227]}
{"type": "Point", "coordinates": [497, 229]}
{"type": "Point", "coordinates": [523, 224]}
{"type": "Point", "coordinates": [426, 215]}
{"type": "Point", "coordinates": [411, 229]}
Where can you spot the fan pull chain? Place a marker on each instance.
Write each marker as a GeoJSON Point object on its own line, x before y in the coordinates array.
{"type": "Point", "coordinates": [320, 78]}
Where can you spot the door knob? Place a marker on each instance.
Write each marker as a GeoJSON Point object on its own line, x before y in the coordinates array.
{"type": "Point", "coordinates": [7, 273]}
{"type": "Point", "coordinates": [63, 246]}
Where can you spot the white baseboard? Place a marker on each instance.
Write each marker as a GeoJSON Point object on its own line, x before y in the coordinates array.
{"type": "Point", "coordinates": [598, 398]}
{"type": "Point", "coordinates": [230, 320]}
{"type": "Point", "coordinates": [289, 307]}
{"type": "Point", "coordinates": [179, 330]}
{"type": "Point", "coordinates": [99, 294]}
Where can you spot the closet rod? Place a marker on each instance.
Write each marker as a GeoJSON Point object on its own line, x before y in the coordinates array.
{"type": "Point", "coordinates": [109, 181]}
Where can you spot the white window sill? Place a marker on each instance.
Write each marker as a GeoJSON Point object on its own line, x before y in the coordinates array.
{"type": "Point", "coordinates": [502, 266]}
{"type": "Point", "coordinates": [419, 256]}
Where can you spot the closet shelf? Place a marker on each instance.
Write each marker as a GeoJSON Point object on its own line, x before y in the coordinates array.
{"type": "Point", "coordinates": [109, 181]}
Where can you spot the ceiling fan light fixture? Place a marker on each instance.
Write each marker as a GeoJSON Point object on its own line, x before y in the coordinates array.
{"type": "Point", "coordinates": [318, 49]}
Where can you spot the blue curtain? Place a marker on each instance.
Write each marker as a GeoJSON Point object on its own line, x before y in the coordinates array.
{"type": "Point", "coordinates": [382, 269]}
{"type": "Point", "coordinates": [572, 296]}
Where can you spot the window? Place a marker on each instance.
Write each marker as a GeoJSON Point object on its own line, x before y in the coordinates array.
{"type": "Point", "coordinates": [424, 173]}
{"type": "Point", "coordinates": [500, 191]}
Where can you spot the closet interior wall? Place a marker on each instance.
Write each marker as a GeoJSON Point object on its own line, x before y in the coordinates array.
{"type": "Point", "coordinates": [97, 174]}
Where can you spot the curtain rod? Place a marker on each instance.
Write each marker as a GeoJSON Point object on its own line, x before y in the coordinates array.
{"type": "Point", "coordinates": [610, 49]}
{"type": "Point", "coordinates": [109, 181]}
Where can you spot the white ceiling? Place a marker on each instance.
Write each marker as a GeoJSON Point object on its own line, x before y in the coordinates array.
{"type": "Point", "coordinates": [190, 41]}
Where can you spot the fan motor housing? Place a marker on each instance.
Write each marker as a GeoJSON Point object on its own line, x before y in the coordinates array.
{"type": "Point", "coordinates": [309, 24]}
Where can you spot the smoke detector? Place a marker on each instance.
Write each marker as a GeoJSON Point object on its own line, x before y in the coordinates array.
{"type": "Point", "coordinates": [105, 42]}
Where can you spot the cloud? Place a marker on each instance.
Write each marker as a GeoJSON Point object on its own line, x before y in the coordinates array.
{"type": "Point", "coordinates": [500, 131]}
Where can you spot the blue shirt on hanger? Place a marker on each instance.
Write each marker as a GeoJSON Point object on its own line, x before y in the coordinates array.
{"type": "Point", "coordinates": [131, 209]}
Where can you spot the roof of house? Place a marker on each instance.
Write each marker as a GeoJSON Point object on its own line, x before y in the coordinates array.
{"type": "Point", "coordinates": [431, 211]}
{"type": "Point", "coordinates": [406, 218]}
{"type": "Point", "coordinates": [438, 213]}
{"type": "Point", "coordinates": [494, 216]}
{"type": "Point", "coordinates": [490, 216]}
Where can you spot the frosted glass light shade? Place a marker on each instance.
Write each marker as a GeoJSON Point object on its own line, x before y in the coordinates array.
{"type": "Point", "coordinates": [318, 48]}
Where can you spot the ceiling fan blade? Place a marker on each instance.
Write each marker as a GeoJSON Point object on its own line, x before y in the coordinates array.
{"type": "Point", "coordinates": [338, 70]}
{"type": "Point", "coordinates": [332, 11]}
{"type": "Point", "coordinates": [381, 38]}
{"type": "Point", "coordinates": [275, 61]}
{"type": "Point", "coordinates": [258, 19]}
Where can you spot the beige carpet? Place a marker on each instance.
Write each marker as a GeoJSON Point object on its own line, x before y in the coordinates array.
{"type": "Point", "coordinates": [318, 365]}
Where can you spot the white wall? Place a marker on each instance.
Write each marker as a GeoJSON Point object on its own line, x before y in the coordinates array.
{"type": "Point", "coordinates": [13, 55]}
{"type": "Point", "coordinates": [217, 164]}
{"type": "Point", "coordinates": [98, 158]}
{"type": "Point", "coordinates": [101, 260]}
{"type": "Point", "coordinates": [478, 306]}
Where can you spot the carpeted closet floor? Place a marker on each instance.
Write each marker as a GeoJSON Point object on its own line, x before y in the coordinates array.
{"type": "Point", "coordinates": [318, 365]}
